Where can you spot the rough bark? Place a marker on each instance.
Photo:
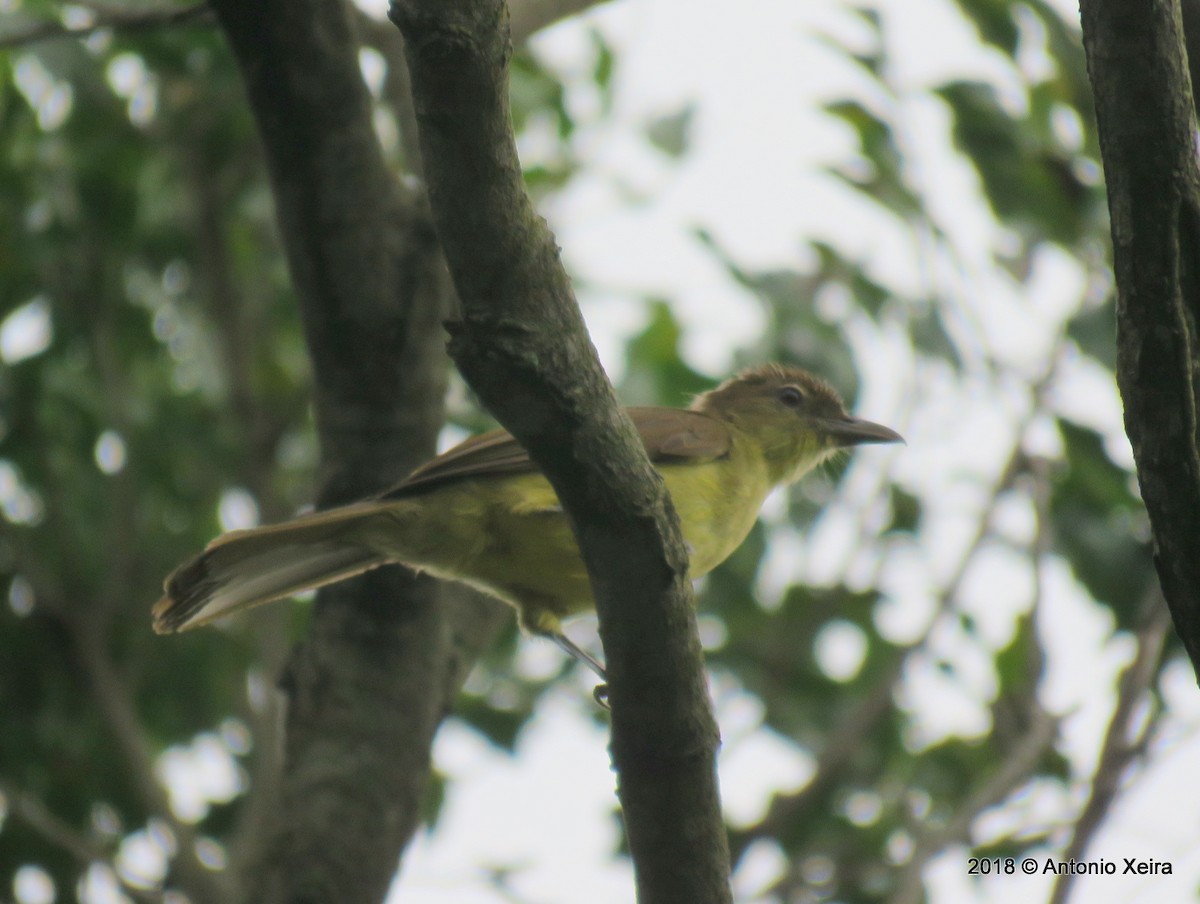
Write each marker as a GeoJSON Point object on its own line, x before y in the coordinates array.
{"type": "Point", "coordinates": [369, 685]}
{"type": "Point", "coordinates": [522, 346]}
{"type": "Point", "coordinates": [1190, 17]}
{"type": "Point", "coordinates": [1144, 110]}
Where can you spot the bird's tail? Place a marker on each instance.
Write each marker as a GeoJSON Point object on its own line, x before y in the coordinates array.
{"type": "Point", "coordinates": [248, 567]}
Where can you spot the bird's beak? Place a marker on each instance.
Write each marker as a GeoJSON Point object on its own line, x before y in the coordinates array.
{"type": "Point", "coordinates": [853, 431]}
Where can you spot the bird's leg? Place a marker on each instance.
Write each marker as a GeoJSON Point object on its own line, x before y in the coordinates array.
{"type": "Point", "coordinates": [577, 652]}
{"type": "Point", "coordinates": [568, 646]}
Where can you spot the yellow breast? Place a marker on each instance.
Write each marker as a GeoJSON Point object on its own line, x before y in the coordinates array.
{"type": "Point", "coordinates": [718, 503]}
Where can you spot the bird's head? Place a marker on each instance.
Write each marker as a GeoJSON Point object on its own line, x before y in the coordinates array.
{"type": "Point", "coordinates": [797, 418]}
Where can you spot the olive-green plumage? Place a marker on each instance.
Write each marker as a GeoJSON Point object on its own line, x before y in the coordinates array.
{"type": "Point", "coordinates": [483, 514]}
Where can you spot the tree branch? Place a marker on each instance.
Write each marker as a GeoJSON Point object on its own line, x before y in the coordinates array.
{"type": "Point", "coordinates": [1119, 749]}
{"type": "Point", "coordinates": [34, 813]}
{"type": "Point", "coordinates": [528, 18]}
{"type": "Point", "coordinates": [1136, 61]}
{"type": "Point", "coordinates": [1017, 766]}
{"type": "Point", "coordinates": [121, 718]}
{"type": "Point", "coordinates": [113, 17]}
{"type": "Point", "coordinates": [1018, 716]}
{"type": "Point", "coordinates": [369, 686]}
{"type": "Point", "coordinates": [523, 347]}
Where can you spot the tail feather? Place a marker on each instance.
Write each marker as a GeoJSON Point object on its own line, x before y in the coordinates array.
{"type": "Point", "coordinates": [250, 567]}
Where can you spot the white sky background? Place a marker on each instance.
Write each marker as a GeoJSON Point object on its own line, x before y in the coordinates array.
{"type": "Point", "coordinates": [756, 75]}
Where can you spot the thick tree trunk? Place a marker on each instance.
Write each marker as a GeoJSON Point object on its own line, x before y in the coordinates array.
{"type": "Point", "coordinates": [369, 685]}
{"type": "Point", "coordinates": [1144, 110]}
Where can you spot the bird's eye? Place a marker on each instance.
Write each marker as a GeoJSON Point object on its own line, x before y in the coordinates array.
{"type": "Point", "coordinates": [791, 396]}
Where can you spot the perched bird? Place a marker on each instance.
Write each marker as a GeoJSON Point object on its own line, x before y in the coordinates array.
{"type": "Point", "coordinates": [481, 513]}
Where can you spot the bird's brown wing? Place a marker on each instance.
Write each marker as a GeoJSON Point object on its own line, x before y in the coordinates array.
{"type": "Point", "coordinates": [679, 434]}
{"type": "Point", "coordinates": [669, 434]}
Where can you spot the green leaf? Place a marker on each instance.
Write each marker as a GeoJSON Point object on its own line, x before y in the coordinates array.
{"type": "Point", "coordinates": [656, 373]}
{"type": "Point", "coordinates": [1095, 331]}
{"type": "Point", "coordinates": [1100, 525]}
{"type": "Point", "coordinates": [671, 134]}
{"type": "Point", "coordinates": [994, 19]}
{"type": "Point", "coordinates": [1029, 181]}
{"type": "Point", "coordinates": [906, 511]}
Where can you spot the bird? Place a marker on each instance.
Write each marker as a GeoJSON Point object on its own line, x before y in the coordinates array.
{"type": "Point", "coordinates": [482, 513]}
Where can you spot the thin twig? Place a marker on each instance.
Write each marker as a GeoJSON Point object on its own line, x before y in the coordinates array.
{"type": "Point", "coordinates": [34, 813]}
{"type": "Point", "coordinates": [1039, 728]}
{"type": "Point", "coordinates": [118, 712]}
{"type": "Point", "coordinates": [1015, 769]}
{"type": "Point", "coordinates": [859, 722]}
{"type": "Point", "coordinates": [1119, 749]}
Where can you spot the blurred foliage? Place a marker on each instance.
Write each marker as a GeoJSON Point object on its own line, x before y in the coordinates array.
{"type": "Point", "coordinates": [671, 133]}
{"type": "Point", "coordinates": [136, 227]}
{"type": "Point", "coordinates": [1101, 525]}
{"type": "Point", "coordinates": [1027, 177]}
{"type": "Point", "coordinates": [147, 240]}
